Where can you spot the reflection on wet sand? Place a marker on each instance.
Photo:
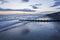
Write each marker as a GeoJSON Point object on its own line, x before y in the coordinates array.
{"type": "Point", "coordinates": [33, 30]}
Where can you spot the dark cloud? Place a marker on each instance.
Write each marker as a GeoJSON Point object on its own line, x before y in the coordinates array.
{"type": "Point", "coordinates": [38, 4]}
{"type": "Point", "coordinates": [35, 6]}
{"type": "Point", "coordinates": [57, 3]}
{"type": "Point", "coordinates": [0, 8]}
{"type": "Point", "coordinates": [25, 0]}
{"type": "Point", "coordinates": [25, 10]}
{"type": "Point", "coordinates": [56, 0]}
{"type": "Point", "coordinates": [3, 1]}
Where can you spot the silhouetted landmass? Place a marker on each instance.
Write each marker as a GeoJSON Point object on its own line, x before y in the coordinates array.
{"type": "Point", "coordinates": [54, 15]}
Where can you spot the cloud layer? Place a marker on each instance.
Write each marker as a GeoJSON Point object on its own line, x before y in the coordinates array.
{"type": "Point", "coordinates": [30, 4]}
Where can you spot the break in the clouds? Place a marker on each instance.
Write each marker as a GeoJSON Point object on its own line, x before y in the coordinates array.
{"type": "Point", "coordinates": [30, 4]}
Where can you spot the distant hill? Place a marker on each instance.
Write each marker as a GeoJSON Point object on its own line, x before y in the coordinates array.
{"type": "Point", "coordinates": [54, 15]}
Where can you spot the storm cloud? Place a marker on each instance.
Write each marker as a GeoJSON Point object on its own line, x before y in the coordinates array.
{"type": "Point", "coordinates": [25, 0]}
{"type": "Point", "coordinates": [57, 3]}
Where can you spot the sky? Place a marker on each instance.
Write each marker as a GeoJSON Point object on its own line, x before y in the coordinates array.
{"type": "Point", "coordinates": [38, 5]}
